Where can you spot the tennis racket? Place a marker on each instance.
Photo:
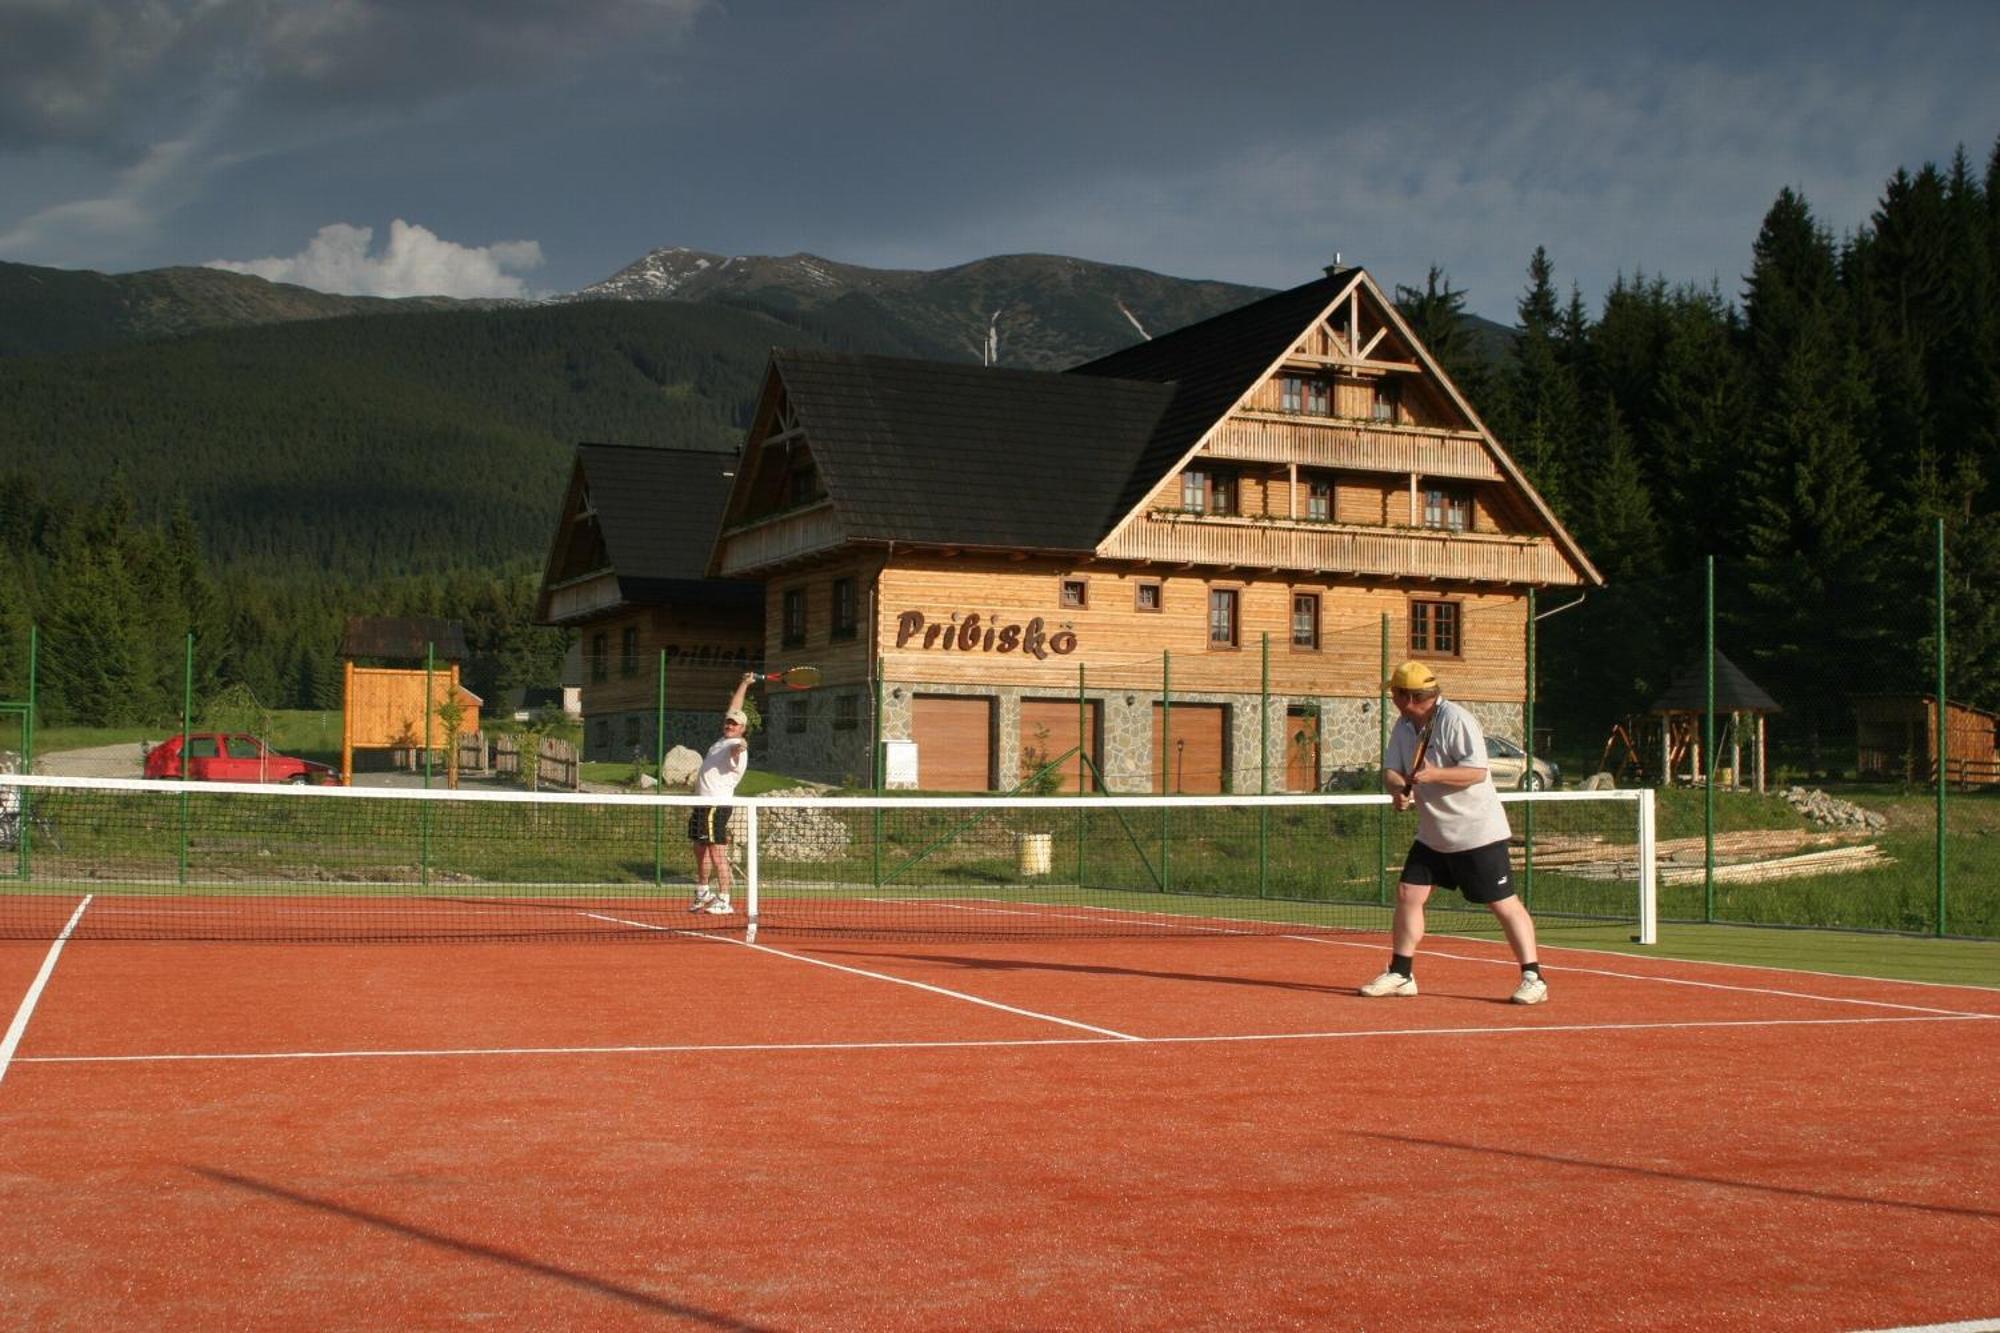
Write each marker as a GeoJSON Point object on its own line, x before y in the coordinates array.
{"type": "Point", "coordinates": [793, 678]}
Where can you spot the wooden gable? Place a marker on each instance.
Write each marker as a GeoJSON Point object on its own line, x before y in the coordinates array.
{"type": "Point", "coordinates": [1355, 406]}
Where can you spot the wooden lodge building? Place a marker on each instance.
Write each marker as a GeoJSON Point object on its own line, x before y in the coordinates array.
{"type": "Point", "coordinates": [1224, 514]}
{"type": "Point", "coordinates": [627, 571]}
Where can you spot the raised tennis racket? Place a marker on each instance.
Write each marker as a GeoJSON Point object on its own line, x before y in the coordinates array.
{"type": "Point", "coordinates": [793, 678]}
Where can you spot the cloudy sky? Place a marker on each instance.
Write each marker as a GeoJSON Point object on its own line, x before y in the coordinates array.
{"type": "Point", "coordinates": [517, 147]}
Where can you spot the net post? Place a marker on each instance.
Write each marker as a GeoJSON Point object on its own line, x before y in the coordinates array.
{"type": "Point", "coordinates": [1649, 868]}
{"type": "Point", "coordinates": [750, 872]}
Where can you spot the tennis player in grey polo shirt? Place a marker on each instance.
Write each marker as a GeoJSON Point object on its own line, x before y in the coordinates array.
{"type": "Point", "coordinates": [1437, 762]}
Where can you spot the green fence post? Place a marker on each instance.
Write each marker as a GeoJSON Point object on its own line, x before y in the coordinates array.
{"type": "Point", "coordinates": [1528, 778]}
{"type": "Point", "coordinates": [1264, 775]}
{"type": "Point", "coordinates": [660, 763]}
{"type": "Point", "coordinates": [1943, 734]}
{"type": "Point", "coordinates": [430, 707]}
{"type": "Point", "coordinates": [1381, 762]}
{"type": "Point", "coordinates": [187, 725]}
{"type": "Point", "coordinates": [1166, 767]}
{"type": "Point", "coordinates": [1084, 762]}
{"type": "Point", "coordinates": [1708, 745]}
{"type": "Point", "coordinates": [879, 770]}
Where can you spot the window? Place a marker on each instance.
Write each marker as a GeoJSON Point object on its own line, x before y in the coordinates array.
{"type": "Point", "coordinates": [1076, 593]}
{"type": "Point", "coordinates": [1293, 395]}
{"type": "Point", "coordinates": [796, 713]}
{"type": "Point", "coordinates": [1318, 402]}
{"type": "Point", "coordinates": [1305, 620]}
{"type": "Point", "coordinates": [1222, 621]}
{"type": "Point", "coordinates": [1388, 396]}
{"type": "Point", "coordinates": [847, 712]}
{"type": "Point", "coordinates": [794, 622]}
{"type": "Point", "coordinates": [628, 651]}
{"type": "Point", "coordinates": [600, 656]}
{"type": "Point", "coordinates": [632, 734]}
{"type": "Point", "coordinates": [1208, 491]}
{"type": "Point", "coordinates": [1146, 595]}
{"type": "Point", "coordinates": [1319, 498]}
{"type": "Point", "coordinates": [242, 747]}
{"type": "Point", "coordinates": [803, 484]}
{"type": "Point", "coordinates": [1434, 629]}
{"type": "Point", "coordinates": [1447, 507]}
{"type": "Point", "coordinates": [601, 738]}
{"type": "Point", "coordinates": [846, 609]}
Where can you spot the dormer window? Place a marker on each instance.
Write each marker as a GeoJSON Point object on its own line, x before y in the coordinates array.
{"type": "Point", "coordinates": [803, 485]}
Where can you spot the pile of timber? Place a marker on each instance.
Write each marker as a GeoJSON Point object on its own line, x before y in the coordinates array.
{"type": "Point", "coordinates": [1744, 857]}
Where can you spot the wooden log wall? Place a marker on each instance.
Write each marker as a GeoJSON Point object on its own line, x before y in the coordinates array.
{"type": "Point", "coordinates": [947, 620]}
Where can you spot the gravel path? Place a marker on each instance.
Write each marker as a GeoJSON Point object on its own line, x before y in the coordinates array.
{"type": "Point", "coordinates": [100, 761]}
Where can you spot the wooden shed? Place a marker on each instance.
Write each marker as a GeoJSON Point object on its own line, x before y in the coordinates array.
{"type": "Point", "coordinates": [384, 706]}
{"type": "Point", "coordinates": [1895, 737]}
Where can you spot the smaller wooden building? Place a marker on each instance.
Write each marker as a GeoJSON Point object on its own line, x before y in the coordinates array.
{"type": "Point", "coordinates": [627, 572]}
{"type": "Point", "coordinates": [1896, 737]}
{"type": "Point", "coordinates": [387, 660]}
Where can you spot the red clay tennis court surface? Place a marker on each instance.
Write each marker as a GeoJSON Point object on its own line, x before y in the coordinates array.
{"type": "Point", "coordinates": [1140, 1133]}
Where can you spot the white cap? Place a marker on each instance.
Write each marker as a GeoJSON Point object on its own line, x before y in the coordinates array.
{"type": "Point", "coordinates": [738, 716]}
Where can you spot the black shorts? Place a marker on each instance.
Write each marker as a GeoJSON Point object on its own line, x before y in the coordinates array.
{"type": "Point", "coordinates": [1482, 874]}
{"type": "Point", "coordinates": [709, 823]}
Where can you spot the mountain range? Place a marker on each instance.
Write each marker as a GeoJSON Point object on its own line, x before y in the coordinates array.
{"type": "Point", "coordinates": [361, 437]}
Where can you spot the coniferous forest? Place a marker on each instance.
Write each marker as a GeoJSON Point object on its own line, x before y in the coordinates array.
{"type": "Point", "coordinates": [1807, 430]}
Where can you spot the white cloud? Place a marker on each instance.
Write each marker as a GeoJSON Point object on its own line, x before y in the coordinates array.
{"type": "Point", "coordinates": [417, 262]}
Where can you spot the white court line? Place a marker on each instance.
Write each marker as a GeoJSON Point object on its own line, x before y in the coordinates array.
{"type": "Point", "coordinates": [884, 976]}
{"type": "Point", "coordinates": [1962, 1326]}
{"type": "Point", "coordinates": [726, 1048]}
{"type": "Point", "coordinates": [1665, 981]}
{"type": "Point", "coordinates": [15, 1030]}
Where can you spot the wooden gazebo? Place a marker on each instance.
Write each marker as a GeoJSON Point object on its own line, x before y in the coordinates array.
{"type": "Point", "coordinates": [1681, 710]}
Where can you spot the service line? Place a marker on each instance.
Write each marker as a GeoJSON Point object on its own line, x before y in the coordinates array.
{"type": "Point", "coordinates": [12, 1041]}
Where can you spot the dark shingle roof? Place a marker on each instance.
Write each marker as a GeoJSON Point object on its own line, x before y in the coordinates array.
{"type": "Point", "coordinates": [1734, 691]}
{"type": "Point", "coordinates": [403, 638]}
{"type": "Point", "coordinates": [962, 455]}
{"type": "Point", "coordinates": [1211, 365]}
{"type": "Point", "coordinates": [658, 510]}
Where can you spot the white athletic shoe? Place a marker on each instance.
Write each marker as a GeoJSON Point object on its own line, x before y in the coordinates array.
{"type": "Point", "coordinates": [704, 900]}
{"type": "Point", "coordinates": [1390, 983]}
{"type": "Point", "coordinates": [1532, 990]}
{"type": "Point", "coordinates": [718, 907]}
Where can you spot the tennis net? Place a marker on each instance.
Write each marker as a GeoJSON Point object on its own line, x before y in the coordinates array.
{"type": "Point", "coordinates": [127, 859]}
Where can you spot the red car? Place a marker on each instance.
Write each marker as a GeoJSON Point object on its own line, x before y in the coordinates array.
{"type": "Point", "coordinates": [220, 756]}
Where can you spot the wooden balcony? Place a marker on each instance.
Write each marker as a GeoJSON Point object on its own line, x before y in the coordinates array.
{"type": "Point", "coordinates": [579, 597]}
{"type": "Point", "coordinates": [1344, 549]}
{"type": "Point", "coordinates": [764, 543]}
{"type": "Point", "coordinates": [1356, 446]}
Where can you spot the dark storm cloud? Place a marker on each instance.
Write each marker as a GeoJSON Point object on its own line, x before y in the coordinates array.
{"type": "Point", "coordinates": [109, 76]}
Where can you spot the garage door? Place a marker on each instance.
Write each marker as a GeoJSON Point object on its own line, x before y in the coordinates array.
{"type": "Point", "coordinates": [1189, 756]}
{"type": "Point", "coordinates": [954, 738]}
{"type": "Point", "coordinates": [1048, 728]}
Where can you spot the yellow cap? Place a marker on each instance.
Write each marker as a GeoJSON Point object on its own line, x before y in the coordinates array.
{"type": "Point", "coordinates": [1413, 676]}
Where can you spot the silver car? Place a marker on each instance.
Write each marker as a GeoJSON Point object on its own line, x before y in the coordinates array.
{"type": "Point", "coordinates": [1508, 763]}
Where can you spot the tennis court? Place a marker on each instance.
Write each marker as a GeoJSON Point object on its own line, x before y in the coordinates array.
{"type": "Point", "coordinates": [1037, 1133]}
